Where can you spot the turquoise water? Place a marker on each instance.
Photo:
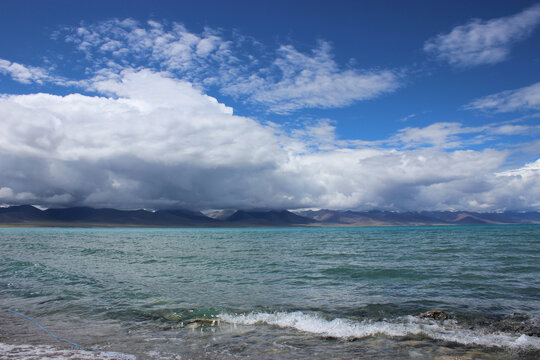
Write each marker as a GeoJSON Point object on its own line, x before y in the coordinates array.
{"type": "Point", "coordinates": [275, 293]}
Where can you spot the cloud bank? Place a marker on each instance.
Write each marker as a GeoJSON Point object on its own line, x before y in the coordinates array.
{"type": "Point", "coordinates": [154, 141]}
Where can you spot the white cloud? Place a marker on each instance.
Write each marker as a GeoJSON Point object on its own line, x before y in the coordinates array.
{"type": "Point", "coordinates": [152, 141]}
{"type": "Point", "coordinates": [77, 127]}
{"type": "Point", "coordinates": [283, 81]}
{"type": "Point", "coordinates": [444, 135]}
{"type": "Point", "coordinates": [483, 42]}
{"type": "Point", "coordinates": [320, 136]}
{"type": "Point", "coordinates": [314, 81]}
{"type": "Point", "coordinates": [8, 196]}
{"type": "Point", "coordinates": [518, 186]}
{"type": "Point", "coordinates": [23, 73]}
{"type": "Point", "coordinates": [156, 142]}
{"type": "Point", "coordinates": [6, 193]}
{"type": "Point", "coordinates": [389, 179]}
{"type": "Point", "coordinates": [408, 117]}
{"type": "Point", "coordinates": [173, 48]}
{"type": "Point", "coordinates": [452, 135]}
{"type": "Point", "coordinates": [526, 98]}
{"type": "Point", "coordinates": [530, 170]}
{"type": "Point", "coordinates": [510, 129]}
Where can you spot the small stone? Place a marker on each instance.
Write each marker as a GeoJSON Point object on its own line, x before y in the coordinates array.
{"type": "Point", "coordinates": [435, 315]}
{"type": "Point", "coordinates": [414, 343]}
{"type": "Point", "coordinates": [476, 354]}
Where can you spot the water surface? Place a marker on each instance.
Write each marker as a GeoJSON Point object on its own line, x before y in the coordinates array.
{"type": "Point", "coordinates": [273, 293]}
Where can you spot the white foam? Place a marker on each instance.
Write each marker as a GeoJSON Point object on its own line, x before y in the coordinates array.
{"type": "Point", "coordinates": [35, 352]}
{"type": "Point", "coordinates": [410, 325]}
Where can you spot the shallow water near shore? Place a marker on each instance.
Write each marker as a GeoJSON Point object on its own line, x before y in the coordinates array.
{"type": "Point", "coordinates": [296, 293]}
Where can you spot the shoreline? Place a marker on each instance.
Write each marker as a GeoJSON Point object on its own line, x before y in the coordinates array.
{"type": "Point", "coordinates": [22, 339]}
{"type": "Point", "coordinates": [237, 226]}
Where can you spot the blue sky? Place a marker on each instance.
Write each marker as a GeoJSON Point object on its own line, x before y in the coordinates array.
{"type": "Point", "coordinates": [240, 104]}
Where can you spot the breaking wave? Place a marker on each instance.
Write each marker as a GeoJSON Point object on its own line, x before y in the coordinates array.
{"type": "Point", "coordinates": [448, 330]}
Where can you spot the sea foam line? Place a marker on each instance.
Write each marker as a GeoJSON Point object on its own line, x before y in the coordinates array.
{"type": "Point", "coordinates": [410, 325]}
{"type": "Point", "coordinates": [50, 352]}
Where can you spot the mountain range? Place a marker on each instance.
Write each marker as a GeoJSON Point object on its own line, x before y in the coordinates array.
{"type": "Point", "coordinates": [27, 215]}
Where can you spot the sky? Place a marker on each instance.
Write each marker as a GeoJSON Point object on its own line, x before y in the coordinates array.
{"type": "Point", "coordinates": [362, 105]}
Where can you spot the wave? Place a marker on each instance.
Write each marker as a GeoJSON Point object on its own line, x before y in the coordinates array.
{"type": "Point", "coordinates": [405, 326]}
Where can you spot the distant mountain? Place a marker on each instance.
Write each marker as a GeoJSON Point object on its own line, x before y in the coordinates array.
{"type": "Point", "coordinates": [21, 214]}
{"type": "Point", "coordinates": [377, 218]}
{"type": "Point", "coordinates": [26, 215]}
{"type": "Point", "coordinates": [472, 218]}
{"type": "Point", "coordinates": [369, 218]}
{"type": "Point", "coordinates": [271, 217]}
{"type": "Point", "coordinates": [184, 217]}
{"type": "Point", "coordinates": [85, 216]}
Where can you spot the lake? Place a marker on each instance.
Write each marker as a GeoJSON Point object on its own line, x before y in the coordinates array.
{"type": "Point", "coordinates": [292, 293]}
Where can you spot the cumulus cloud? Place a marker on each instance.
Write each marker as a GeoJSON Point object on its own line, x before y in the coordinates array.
{"type": "Point", "coordinates": [390, 179]}
{"type": "Point", "coordinates": [530, 170]}
{"type": "Point", "coordinates": [153, 141]}
{"type": "Point", "coordinates": [526, 98]}
{"type": "Point", "coordinates": [483, 42]}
